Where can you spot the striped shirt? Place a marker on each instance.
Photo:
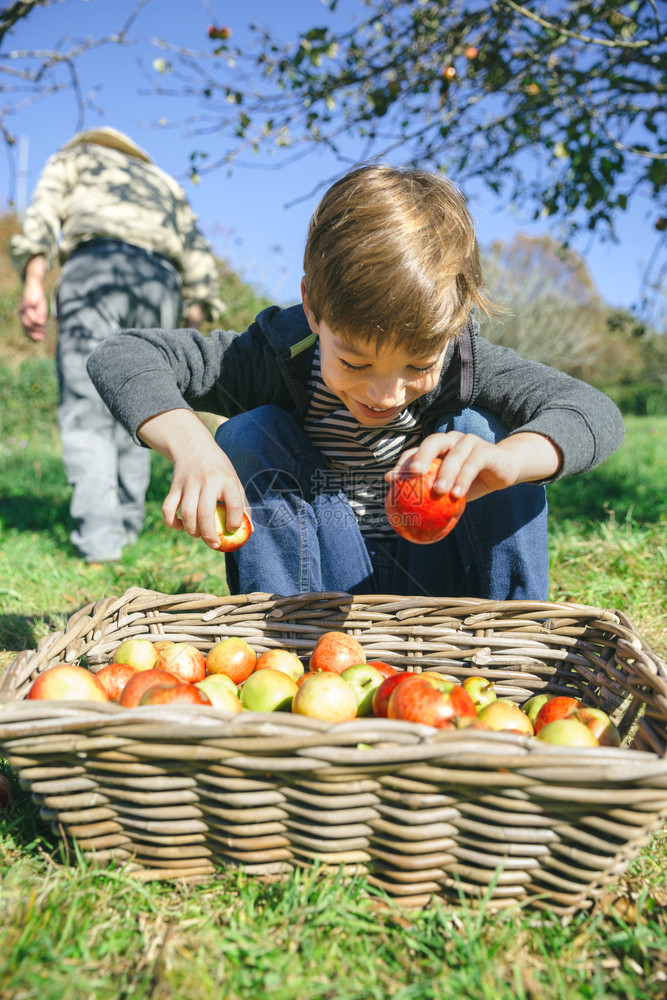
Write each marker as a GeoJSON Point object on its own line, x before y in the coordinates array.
{"type": "Point", "coordinates": [357, 457]}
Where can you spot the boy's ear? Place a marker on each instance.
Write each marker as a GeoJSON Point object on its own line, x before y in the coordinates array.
{"type": "Point", "coordinates": [308, 309]}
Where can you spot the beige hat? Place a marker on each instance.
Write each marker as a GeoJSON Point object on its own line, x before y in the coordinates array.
{"type": "Point", "coordinates": [106, 136]}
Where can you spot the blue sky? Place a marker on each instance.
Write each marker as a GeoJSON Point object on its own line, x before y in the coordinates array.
{"type": "Point", "coordinates": [243, 213]}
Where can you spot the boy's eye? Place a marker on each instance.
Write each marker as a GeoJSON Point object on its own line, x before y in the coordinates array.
{"type": "Point", "coordinates": [425, 370]}
{"type": "Point", "coordinates": [352, 368]}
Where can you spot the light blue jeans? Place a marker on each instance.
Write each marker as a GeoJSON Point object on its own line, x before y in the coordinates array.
{"type": "Point", "coordinates": [104, 287]}
{"type": "Point", "coordinates": [307, 539]}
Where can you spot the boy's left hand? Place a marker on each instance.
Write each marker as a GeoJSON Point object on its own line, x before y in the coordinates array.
{"type": "Point", "coordinates": [472, 467]}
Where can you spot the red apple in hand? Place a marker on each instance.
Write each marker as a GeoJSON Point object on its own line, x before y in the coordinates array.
{"type": "Point", "coordinates": [430, 699]}
{"type": "Point", "coordinates": [231, 540]}
{"type": "Point", "coordinates": [335, 651]}
{"type": "Point", "coordinates": [417, 512]}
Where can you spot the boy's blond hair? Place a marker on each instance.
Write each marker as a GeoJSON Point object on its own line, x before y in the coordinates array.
{"type": "Point", "coordinates": [391, 257]}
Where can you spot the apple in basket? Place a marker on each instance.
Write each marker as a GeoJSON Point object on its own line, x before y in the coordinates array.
{"type": "Point", "coordinates": [557, 707]}
{"type": "Point", "coordinates": [231, 540]}
{"type": "Point", "coordinates": [364, 681]}
{"type": "Point", "coordinates": [325, 695]}
{"type": "Point", "coordinates": [385, 669]}
{"type": "Point", "coordinates": [183, 660]}
{"type": "Point", "coordinates": [136, 686]}
{"type": "Point", "coordinates": [69, 683]}
{"type": "Point", "coordinates": [599, 723]}
{"type": "Point", "coordinates": [567, 732]}
{"type": "Point", "coordinates": [334, 651]}
{"type": "Point", "coordinates": [417, 511]}
{"type": "Point", "coordinates": [269, 691]}
{"type": "Point", "coordinates": [114, 676]}
{"type": "Point", "coordinates": [382, 695]}
{"type": "Point", "coordinates": [280, 659]}
{"type": "Point", "coordinates": [481, 690]}
{"type": "Point", "coordinates": [180, 693]}
{"type": "Point", "coordinates": [233, 657]}
{"type": "Point", "coordinates": [430, 699]}
{"type": "Point", "coordinates": [222, 692]}
{"type": "Point", "coordinates": [139, 653]}
{"type": "Point", "coordinates": [504, 716]}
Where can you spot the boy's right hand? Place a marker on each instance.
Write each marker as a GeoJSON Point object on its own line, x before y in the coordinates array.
{"type": "Point", "coordinates": [202, 475]}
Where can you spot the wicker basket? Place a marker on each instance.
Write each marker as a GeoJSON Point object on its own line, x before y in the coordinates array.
{"type": "Point", "coordinates": [181, 791]}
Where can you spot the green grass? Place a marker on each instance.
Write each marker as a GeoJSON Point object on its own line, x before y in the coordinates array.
{"type": "Point", "coordinates": [72, 933]}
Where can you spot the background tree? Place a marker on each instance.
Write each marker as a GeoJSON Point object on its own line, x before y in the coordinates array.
{"type": "Point", "coordinates": [557, 105]}
{"type": "Point", "coordinates": [549, 310]}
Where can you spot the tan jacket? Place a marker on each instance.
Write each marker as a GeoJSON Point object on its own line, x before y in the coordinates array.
{"type": "Point", "coordinates": [89, 189]}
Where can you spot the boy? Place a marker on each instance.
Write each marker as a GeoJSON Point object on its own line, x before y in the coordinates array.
{"type": "Point", "coordinates": [380, 367]}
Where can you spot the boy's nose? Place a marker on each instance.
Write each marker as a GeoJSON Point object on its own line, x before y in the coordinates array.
{"type": "Point", "coordinates": [385, 396]}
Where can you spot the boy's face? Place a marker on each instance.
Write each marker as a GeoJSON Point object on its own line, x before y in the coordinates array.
{"type": "Point", "coordinates": [374, 386]}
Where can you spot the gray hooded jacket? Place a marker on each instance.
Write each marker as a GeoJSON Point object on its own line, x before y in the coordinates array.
{"type": "Point", "coordinates": [141, 373]}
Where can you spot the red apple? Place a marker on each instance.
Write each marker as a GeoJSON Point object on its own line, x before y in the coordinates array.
{"type": "Point", "coordinates": [417, 512]}
{"type": "Point", "coordinates": [567, 732]}
{"type": "Point", "coordinates": [503, 715]}
{"type": "Point", "coordinates": [383, 693]}
{"type": "Point", "coordinates": [139, 653]}
{"type": "Point", "coordinates": [600, 725]}
{"type": "Point", "coordinates": [114, 676]}
{"type": "Point", "coordinates": [364, 681]}
{"type": "Point", "coordinates": [67, 683]}
{"type": "Point", "coordinates": [181, 693]}
{"type": "Point", "coordinates": [334, 651]}
{"type": "Point", "coordinates": [430, 699]}
{"type": "Point", "coordinates": [280, 659]}
{"type": "Point", "coordinates": [471, 52]}
{"type": "Point", "coordinates": [557, 707]}
{"type": "Point", "coordinates": [5, 791]}
{"type": "Point", "coordinates": [222, 692]}
{"type": "Point", "coordinates": [144, 679]}
{"type": "Point", "coordinates": [325, 695]}
{"type": "Point", "coordinates": [385, 669]}
{"type": "Point", "coordinates": [304, 677]}
{"type": "Point", "coordinates": [231, 540]}
{"type": "Point", "coordinates": [269, 691]}
{"type": "Point", "coordinates": [231, 656]}
{"type": "Point", "coordinates": [481, 690]}
{"type": "Point", "coordinates": [183, 660]}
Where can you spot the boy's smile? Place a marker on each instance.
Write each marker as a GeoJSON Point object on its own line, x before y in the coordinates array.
{"type": "Point", "coordinates": [374, 386]}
